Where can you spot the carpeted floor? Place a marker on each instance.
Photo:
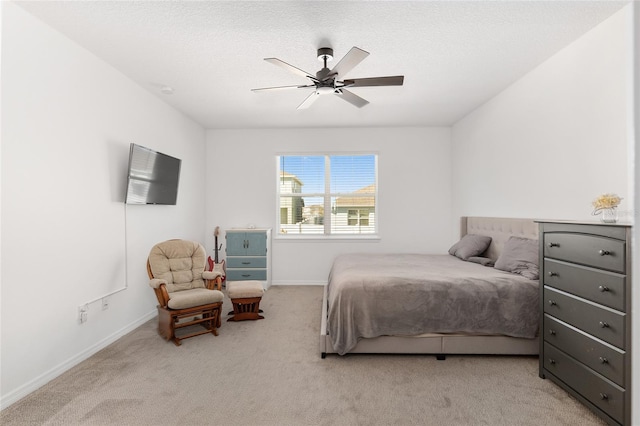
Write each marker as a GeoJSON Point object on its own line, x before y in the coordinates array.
{"type": "Point", "coordinates": [269, 372]}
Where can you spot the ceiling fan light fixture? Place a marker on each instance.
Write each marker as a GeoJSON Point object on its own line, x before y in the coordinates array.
{"type": "Point", "coordinates": [325, 90]}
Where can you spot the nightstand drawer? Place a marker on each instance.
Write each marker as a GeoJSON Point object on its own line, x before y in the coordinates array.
{"type": "Point", "coordinates": [605, 288]}
{"type": "Point", "coordinates": [604, 323]}
{"type": "Point", "coordinates": [594, 354]}
{"type": "Point", "coordinates": [246, 262]}
{"type": "Point", "coordinates": [601, 392]}
{"type": "Point", "coordinates": [592, 250]}
{"type": "Point", "coordinates": [246, 274]}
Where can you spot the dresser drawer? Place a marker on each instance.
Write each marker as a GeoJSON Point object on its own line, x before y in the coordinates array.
{"type": "Point", "coordinates": [604, 323]}
{"type": "Point", "coordinates": [246, 274]}
{"type": "Point", "coordinates": [594, 354]}
{"type": "Point", "coordinates": [592, 250]}
{"type": "Point", "coordinates": [246, 262]}
{"type": "Point", "coordinates": [605, 288]}
{"type": "Point", "coordinates": [600, 391]}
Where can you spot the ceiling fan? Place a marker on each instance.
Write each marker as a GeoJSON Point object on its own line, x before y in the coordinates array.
{"type": "Point", "coordinates": [332, 81]}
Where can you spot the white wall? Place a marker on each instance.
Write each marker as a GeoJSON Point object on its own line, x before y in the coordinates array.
{"type": "Point", "coordinates": [635, 134]}
{"type": "Point", "coordinates": [555, 139]}
{"type": "Point", "coordinates": [413, 187]}
{"type": "Point", "coordinates": [68, 119]}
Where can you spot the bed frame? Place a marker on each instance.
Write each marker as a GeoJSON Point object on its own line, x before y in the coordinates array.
{"type": "Point", "coordinates": [499, 229]}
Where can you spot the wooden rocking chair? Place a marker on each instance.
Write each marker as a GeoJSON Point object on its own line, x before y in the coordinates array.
{"type": "Point", "coordinates": [185, 291]}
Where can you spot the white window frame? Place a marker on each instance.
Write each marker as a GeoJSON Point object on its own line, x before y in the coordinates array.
{"type": "Point", "coordinates": [327, 197]}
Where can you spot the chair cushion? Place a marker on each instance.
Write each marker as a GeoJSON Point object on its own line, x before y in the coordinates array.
{"type": "Point", "coordinates": [180, 263]}
{"type": "Point", "coordinates": [194, 297]}
{"type": "Point", "coordinates": [244, 289]}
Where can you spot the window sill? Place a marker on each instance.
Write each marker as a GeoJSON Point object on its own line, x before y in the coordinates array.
{"type": "Point", "coordinates": [327, 238]}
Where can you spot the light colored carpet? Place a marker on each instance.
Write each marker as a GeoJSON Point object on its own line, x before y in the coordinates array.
{"type": "Point", "coordinates": [269, 372]}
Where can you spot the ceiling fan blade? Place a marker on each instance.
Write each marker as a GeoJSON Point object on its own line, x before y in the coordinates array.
{"type": "Point", "coordinates": [349, 61]}
{"type": "Point", "coordinates": [352, 98]}
{"type": "Point", "coordinates": [309, 100]}
{"type": "Point", "coordinates": [290, 68]}
{"type": "Point", "coordinates": [395, 80]}
{"type": "Point", "coordinates": [262, 89]}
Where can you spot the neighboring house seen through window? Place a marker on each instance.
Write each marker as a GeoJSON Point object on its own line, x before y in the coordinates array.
{"type": "Point", "coordinates": [327, 194]}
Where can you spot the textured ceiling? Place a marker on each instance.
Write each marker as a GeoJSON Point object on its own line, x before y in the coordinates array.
{"type": "Point", "coordinates": [455, 55]}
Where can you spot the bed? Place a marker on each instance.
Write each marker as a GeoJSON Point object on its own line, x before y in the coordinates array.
{"type": "Point", "coordinates": [380, 303]}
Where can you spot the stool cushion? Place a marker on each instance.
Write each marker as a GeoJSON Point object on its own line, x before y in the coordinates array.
{"type": "Point", "coordinates": [244, 289]}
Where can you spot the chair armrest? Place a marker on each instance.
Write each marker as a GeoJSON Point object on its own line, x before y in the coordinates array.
{"type": "Point", "coordinates": [162, 294]}
{"type": "Point", "coordinates": [211, 275]}
{"type": "Point", "coordinates": [156, 282]}
{"type": "Point", "coordinates": [215, 283]}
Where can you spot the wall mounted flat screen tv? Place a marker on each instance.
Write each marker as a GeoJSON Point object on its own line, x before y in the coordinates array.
{"type": "Point", "coordinates": [153, 177]}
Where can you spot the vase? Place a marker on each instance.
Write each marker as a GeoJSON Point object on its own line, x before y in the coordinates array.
{"type": "Point", "coordinates": [609, 215]}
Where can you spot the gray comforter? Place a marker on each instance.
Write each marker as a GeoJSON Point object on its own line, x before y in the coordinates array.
{"type": "Point", "coordinates": [372, 295]}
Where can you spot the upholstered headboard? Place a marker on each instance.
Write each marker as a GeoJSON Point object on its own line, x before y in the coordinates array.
{"type": "Point", "coordinates": [499, 229]}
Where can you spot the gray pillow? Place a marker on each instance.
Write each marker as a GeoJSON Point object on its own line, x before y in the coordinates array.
{"type": "Point", "coordinates": [520, 256]}
{"type": "Point", "coordinates": [484, 261]}
{"type": "Point", "coordinates": [470, 245]}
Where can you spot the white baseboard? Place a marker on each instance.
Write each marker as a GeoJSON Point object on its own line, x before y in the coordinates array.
{"type": "Point", "coordinates": [38, 382]}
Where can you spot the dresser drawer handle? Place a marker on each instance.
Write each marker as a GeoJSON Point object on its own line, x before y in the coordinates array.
{"type": "Point", "coordinates": [553, 274]}
{"type": "Point", "coordinates": [551, 245]}
{"type": "Point", "coordinates": [604, 252]}
{"type": "Point", "coordinates": [603, 288]}
{"type": "Point", "coordinates": [246, 263]}
{"type": "Point", "coordinates": [604, 324]}
{"type": "Point", "coordinates": [552, 332]}
{"type": "Point", "coordinates": [604, 360]}
{"type": "Point", "coordinates": [604, 396]}
{"type": "Point", "coordinates": [552, 361]}
{"type": "Point", "coordinates": [552, 303]}
{"type": "Point", "coordinates": [248, 275]}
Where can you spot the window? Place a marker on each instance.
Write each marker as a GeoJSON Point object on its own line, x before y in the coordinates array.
{"type": "Point", "coordinates": [358, 217]}
{"type": "Point", "coordinates": [327, 194]}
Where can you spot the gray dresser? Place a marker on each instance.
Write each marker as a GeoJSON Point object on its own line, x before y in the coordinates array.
{"type": "Point", "coordinates": [249, 255]}
{"type": "Point", "coordinates": [585, 304]}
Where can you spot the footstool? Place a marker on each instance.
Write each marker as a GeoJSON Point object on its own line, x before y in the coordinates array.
{"type": "Point", "coordinates": [245, 296]}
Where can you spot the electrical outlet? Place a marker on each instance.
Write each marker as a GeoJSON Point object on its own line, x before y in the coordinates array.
{"type": "Point", "coordinates": [83, 313]}
{"type": "Point", "coordinates": [105, 303]}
